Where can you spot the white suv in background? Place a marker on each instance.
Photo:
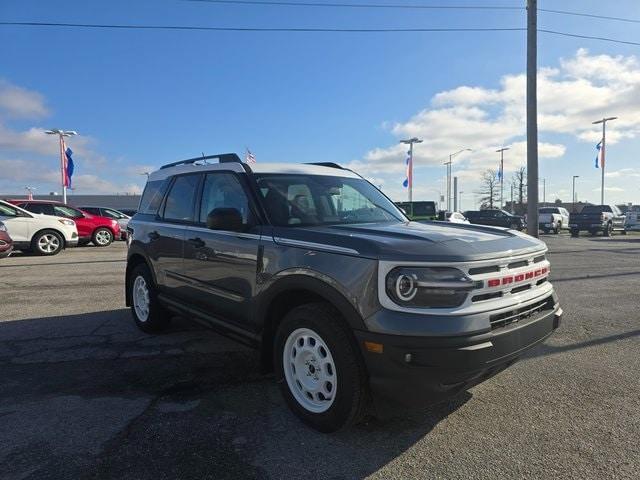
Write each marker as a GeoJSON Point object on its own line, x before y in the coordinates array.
{"type": "Point", "coordinates": [41, 234]}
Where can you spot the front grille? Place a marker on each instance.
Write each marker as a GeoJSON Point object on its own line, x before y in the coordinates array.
{"type": "Point", "coordinates": [481, 270]}
{"type": "Point", "coordinates": [521, 263]}
{"type": "Point", "coordinates": [503, 319]}
{"type": "Point", "coordinates": [539, 259]}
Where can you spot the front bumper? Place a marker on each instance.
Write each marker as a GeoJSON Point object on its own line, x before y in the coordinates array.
{"type": "Point", "coordinates": [419, 371]}
{"type": "Point", "coordinates": [71, 243]}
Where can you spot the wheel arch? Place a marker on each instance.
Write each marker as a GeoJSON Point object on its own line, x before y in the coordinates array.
{"type": "Point", "coordinates": [291, 292]}
{"type": "Point", "coordinates": [133, 261]}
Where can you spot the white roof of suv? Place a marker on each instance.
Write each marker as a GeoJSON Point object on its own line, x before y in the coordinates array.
{"type": "Point", "coordinates": [287, 168]}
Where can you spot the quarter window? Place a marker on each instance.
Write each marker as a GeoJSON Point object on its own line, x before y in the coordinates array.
{"type": "Point", "coordinates": [179, 203]}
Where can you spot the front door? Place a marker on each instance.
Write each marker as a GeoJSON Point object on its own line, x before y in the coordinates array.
{"type": "Point", "coordinates": [221, 265]}
{"type": "Point", "coordinates": [18, 223]}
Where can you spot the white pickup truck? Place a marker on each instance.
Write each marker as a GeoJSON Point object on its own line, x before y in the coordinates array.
{"type": "Point", "coordinates": [632, 222]}
{"type": "Point", "coordinates": [553, 219]}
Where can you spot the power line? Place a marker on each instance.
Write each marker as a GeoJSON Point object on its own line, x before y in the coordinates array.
{"type": "Point", "coordinates": [256, 29]}
{"type": "Point", "coordinates": [589, 37]}
{"type": "Point", "coordinates": [589, 15]}
{"type": "Point", "coordinates": [306, 30]}
{"type": "Point", "coordinates": [360, 5]}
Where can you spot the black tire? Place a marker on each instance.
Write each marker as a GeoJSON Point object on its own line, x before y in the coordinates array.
{"type": "Point", "coordinates": [102, 237]}
{"type": "Point", "coordinates": [514, 226]}
{"type": "Point", "coordinates": [557, 228]}
{"type": "Point", "coordinates": [608, 231]}
{"type": "Point", "coordinates": [158, 317]}
{"type": "Point", "coordinates": [593, 232]}
{"type": "Point", "coordinates": [574, 232]}
{"type": "Point", "coordinates": [351, 392]}
{"type": "Point", "coordinates": [545, 230]}
{"type": "Point", "coordinates": [47, 243]}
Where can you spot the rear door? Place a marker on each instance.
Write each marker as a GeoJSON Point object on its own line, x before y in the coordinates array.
{"type": "Point", "coordinates": [165, 237]}
{"type": "Point", "coordinates": [221, 265]}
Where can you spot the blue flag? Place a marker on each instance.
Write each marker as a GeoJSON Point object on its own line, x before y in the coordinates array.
{"type": "Point", "coordinates": [68, 167]}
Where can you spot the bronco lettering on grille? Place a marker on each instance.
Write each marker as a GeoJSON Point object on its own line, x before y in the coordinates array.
{"type": "Point", "coordinates": [520, 277]}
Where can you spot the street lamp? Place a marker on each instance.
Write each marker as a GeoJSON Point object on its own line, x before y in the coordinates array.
{"type": "Point", "coordinates": [602, 151]}
{"type": "Point", "coordinates": [460, 201]}
{"type": "Point", "coordinates": [573, 193]}
{"type": "Point", "coordinates": [410, 142]}
{"type": "Point", "coordinates": [61, 134]}
{"type": "Point", "coordinates": [449, 174]}
{"type": "Point", "coordinates": [501, 152]}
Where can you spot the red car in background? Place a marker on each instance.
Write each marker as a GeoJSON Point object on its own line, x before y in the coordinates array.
{"type": "Point", "coordinates": [101, 231]}
{"type": "Point", "coordinates": [6, 244]}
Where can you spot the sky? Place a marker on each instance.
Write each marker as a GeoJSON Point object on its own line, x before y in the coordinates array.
{"type": "Point", "coordinates": [143, 98]}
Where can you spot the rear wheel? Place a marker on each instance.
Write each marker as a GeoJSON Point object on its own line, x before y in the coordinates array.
{"type": "Point", "coordinates": [321, 374]}
{"type": "Point", "coordinates": [557, 228]}
{"type": "Point", "coordinates": [47, 243]}
{"type": "Point", "coordinates": [102, 237]}
{"type": "Point", "coordinates": [147, 312]}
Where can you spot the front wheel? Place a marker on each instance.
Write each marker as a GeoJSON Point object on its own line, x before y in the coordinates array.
{"type": "Point", "coordinates": [102, 237]}
{"type": "Point", "coordinates": [47, 243]}
{"type": "Point", "coordinates": [556, 230]}
{"type": "Point", "coordinates": [321, 374]}
{"type": "Point", "coordinates": [147, 312]}
{"type": "Point", "coordinates": [608, 231]}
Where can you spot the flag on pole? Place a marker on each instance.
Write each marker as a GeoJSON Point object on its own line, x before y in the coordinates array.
{"type": "Point", "coordinates": [408, 182]}
{"type": "Point", "coordinates": [600, 155]}
{"type": "Point", "coordinates": [68, 165]}
{"type": "Point", "coordinates": [500, 173]}
{"type": "Point", "coordinates": [249, 157]}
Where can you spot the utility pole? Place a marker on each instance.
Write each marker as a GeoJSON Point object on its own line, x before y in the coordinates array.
{"type": "Point", "coordinates": [455, 194]}
{"type": "Point", "coordinates": [449, 174]}
{"type": "Point", "coordinates": [410, 142]}
{"type": "Point", "coordinates": [573, 193]}
{"type": "Point", "coordinates": [602, 153]}
{"type": "Point", "coordinates": [460, 202]}
{"type": "Point", "coordinates": [501, 152]}
{"type": "Point", "coordinates": [63, 162]}
{"type": "Point", "coordinates": [544, 190]}
{"type": "Point", "coordinates": [532, 118]}
{"type": "Point", "coordinates": [512, 198]}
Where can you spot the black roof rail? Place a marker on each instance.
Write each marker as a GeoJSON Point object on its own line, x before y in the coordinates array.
{"type": "Point", "coordinates": [327, 164]}
{"type": "Point", "coordinates": [222, 158]}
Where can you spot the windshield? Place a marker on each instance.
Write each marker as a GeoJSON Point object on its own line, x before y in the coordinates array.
{"type": "Point", "coordinates": [549, 210]}
{"type": "Point", "coordinates": [307, 200]}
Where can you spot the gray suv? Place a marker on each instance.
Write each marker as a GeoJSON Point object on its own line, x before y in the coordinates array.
{"type": "Point", "coordinates": [355, 308]}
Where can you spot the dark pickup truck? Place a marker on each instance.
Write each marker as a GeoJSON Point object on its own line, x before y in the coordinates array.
{"type": "Point", "coordinates": [597, 218]}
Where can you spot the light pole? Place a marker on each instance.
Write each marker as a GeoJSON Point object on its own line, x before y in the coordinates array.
{"type": "Point", "coordinates": [602, 152]}
{"type": "Point", "coordinates": [544, 190]}
{"type": "Point", "coordinates": [460, 201]}
{"type": "Point", "coordinates": [449, 174]}
{"type": "Point", "coordinates": [29, 192]}
{"type": "Point", "coordinates": [573, 193]}
{"type": "Point", "coordinates": [410, 142]}
{"type": "Point", "coordinates": [501, 152]}
{"type": "Point", "coordinates": [63, 176]}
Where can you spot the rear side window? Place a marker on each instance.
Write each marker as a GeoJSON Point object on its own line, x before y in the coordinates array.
{"type": "Point", "coordinates": [91, 210]}
{"type": "Point", "coordinates": [223, 190]}
{"type": "Point", "coordinates": [44, 208]}
{"type": "Point", "coordinates": [179, 203]}
{"type": "Point", "coordinates": [152, 196]}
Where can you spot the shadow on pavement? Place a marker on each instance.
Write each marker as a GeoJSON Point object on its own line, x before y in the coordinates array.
{"type": "Point", "coordinates": [594, 277]}
{"type": "Point", "coordinates": [89, 396]}
{"type": "Point", "coordinates": [545, 349]}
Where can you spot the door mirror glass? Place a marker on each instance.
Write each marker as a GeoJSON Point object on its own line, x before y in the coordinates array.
{"type": "Point", "coordinates": [229, 219]}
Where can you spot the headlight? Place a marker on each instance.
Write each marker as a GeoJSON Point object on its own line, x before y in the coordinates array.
{"type": "Point", "coordinates": [428, 287]}
{"type": "Point", "coordinates": [71, 223]}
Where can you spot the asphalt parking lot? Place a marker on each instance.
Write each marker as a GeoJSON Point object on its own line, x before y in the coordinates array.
{"type": "Point", "coordinates": [84, 394]}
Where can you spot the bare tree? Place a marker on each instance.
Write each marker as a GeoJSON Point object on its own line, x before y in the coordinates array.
{"type": "Point", "coordinates": [519, 182]}
{"type": "Point", "coordinates": [489, 189]}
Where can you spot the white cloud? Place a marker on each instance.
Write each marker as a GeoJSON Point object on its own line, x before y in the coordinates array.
{"type": "Point", "coordinates": [610, 189]}
{"type": "Point", "coordinates": [623, 173]}
{"type": "Point", "coordinates": [582, 89]}
{"type": "Point", "coordinates": [19, 102]}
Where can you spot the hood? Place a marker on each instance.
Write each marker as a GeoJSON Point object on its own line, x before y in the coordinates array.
{"type": "Point", "coordinates": [413, 241]}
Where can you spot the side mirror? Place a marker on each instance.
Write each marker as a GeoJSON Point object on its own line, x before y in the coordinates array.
{"type": "Point", "coordinates": [225, 219]}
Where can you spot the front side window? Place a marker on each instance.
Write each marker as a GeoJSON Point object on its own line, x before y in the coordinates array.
{"type": "Point", "coordinates": [8, 211]}
{"type": "Point", "coordinates": [309, 200]}
{"type": "Point", "coordinates": [92, 210]}
{"type": "Point", "coordinates": [223, 190]}
{"type": "Point", "coordinates": [68, 212]}
{"type": "Point", "coordinates": [179, 203]}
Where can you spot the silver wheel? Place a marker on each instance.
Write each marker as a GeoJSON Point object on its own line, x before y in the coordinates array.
{"type": "Point", "coordinates": [48, 243]}
{"type": "Point", "coordinates": [310, 370]}
{"type": "Point", "coordinates": [141, 302]}
{"type": "Point", "coordinates": [103, 237]}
